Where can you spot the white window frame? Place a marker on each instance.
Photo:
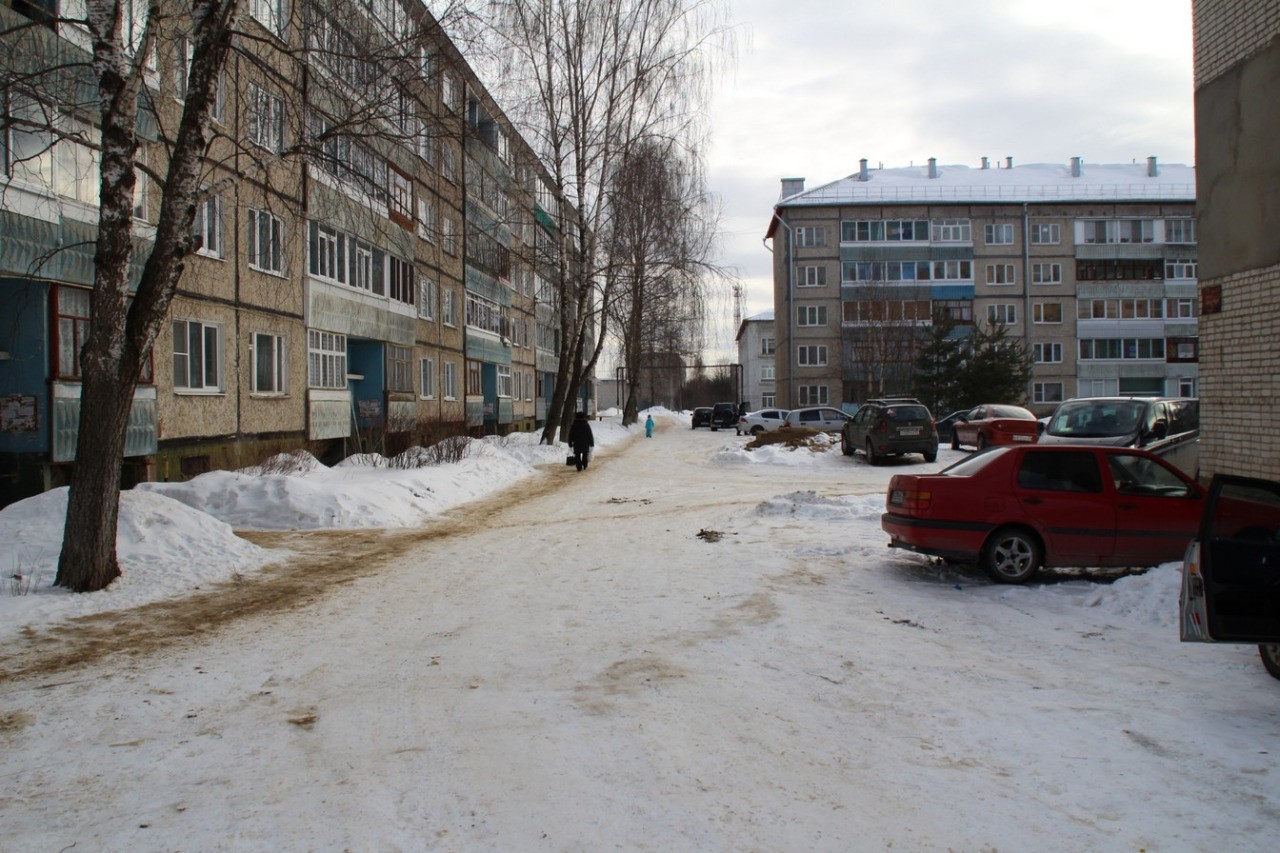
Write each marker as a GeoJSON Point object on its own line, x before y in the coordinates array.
{"type": "Point", "coordinates": [269, 13]}
{"type": "Point", "coordinates": [208, 226]}
{"type": "Point", "coordinates": [197, 373]}
{"type": "Point", "coordinates": [999, 275]}
{"type": "Point", "coordinates": [265, 118]}
{"type": "Point", "coordinates": [1046, 273]}
{"type": "Point", "coordinates": [1046, 233]}
{"type": "Point", "coordinates": [504, 380]}
{"type": "Point", "coordinates": [811, 355]}
{"type": "Point", "coordinates": [811, 235]}
{"type": "Point", "coordinates": [276, 348]}
{"type": "Point", "coordinates": [1002, 314]}
{"type": "Point", "coordinates": [813, 395]}
{"type": "Point", "coordinates": [1046, 353]}
{"type": "Point", "coordinates": [326, 360]}
{"type": "Point", "coordinates": [811, 315]}
{"type": "Point", "coordinates": [449, 307]}
{"type": "Point", "coordinates": [813, 276]}
{"type": "Point", "coordinates": [449, 380]}
{"type": "Point", "coordinates": [266, 242]}
{"type": "Point", "coordinates": [1047, 392]}
{"type": "Point", "coordinates": [399, 374]}
{"type": "Point", "coordinates": [427, 294]}
{"type": "Point", "coordinates": [998, 234]}
{"type": "Point", "coordinates": [1039, 313]}
{"type": "Point", "coordinates": [427, 375]}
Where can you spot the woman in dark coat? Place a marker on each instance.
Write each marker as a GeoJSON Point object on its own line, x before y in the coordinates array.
{"type": "Point", "coordinates": [581, 440]}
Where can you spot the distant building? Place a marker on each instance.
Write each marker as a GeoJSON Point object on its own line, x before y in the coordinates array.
{"type": "Point", "coordinates": [1237, 80]}
{"type": "Point", "coordinates": [756, 344]}
{"type": "Point", "coordinates": [1092, 266]}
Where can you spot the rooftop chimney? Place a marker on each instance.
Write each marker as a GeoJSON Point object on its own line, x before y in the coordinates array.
{"type": "Point", "coordinates": [933, 167]}
{"type": "Point", "coordinates": [862, 169]}
{"type": "Point", "coordinates": [1075, 167]}
{"type": "Point", "coordinates": [985, 164]}
{"type": "Point", "coordinates": [1153, 170]}
{"type": "Point", "coordinates": [1008, 162]}
{"type": "Point", "coordinates": [792, 186]}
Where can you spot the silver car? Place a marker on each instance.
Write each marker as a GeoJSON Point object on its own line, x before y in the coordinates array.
{"type": "Point", "coordinates": [821, 418]}
{"type": "Point", "coordinates": [764, 420]}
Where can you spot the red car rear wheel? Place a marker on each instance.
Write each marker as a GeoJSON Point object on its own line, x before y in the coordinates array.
{"type": "Point", "coordinates": [1012, 555]}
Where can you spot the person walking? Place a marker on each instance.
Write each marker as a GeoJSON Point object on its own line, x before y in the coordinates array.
{"type": "Point", "coordinates": [581, 440]}
{"type": "Point", "coordinates": [648, 427]}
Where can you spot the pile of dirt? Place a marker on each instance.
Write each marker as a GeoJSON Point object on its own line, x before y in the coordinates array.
{"type": "Point", "coordinates": [793, 437]}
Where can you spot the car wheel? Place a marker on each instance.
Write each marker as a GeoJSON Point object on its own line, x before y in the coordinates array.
{"type": "Point", "coordinates": [1012, 555]}
{"type": "Point", "coordinates": [756, 430]}
{"type": "Point", "coordinates": [845, 447]}
{"type": "Point", "coordinates": [955, 440]}
{"type": "Point", "coordinates": [1271, 658]}
{"type": "Point", "coordinates": [932, 455]}
{"type": "Point", "coordinates": [871, 454]}
{"type": "Point", "coordinates": [982, 442]}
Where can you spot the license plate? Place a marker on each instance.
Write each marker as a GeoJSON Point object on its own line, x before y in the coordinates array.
{"type": "Point", "coordinates": [1022, 438]}
{"type": "Point", "coordinates": [909, 431]}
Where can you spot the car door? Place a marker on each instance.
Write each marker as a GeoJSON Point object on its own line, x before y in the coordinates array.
{"type": "Point", "coordinates": [966, 431]}
{"type": "Point", "coordinates": [1231, 574]}
{"type": "Point", "coordinates": [1061, 494]}
{"type": "Point", "coordinates": [856, 429]}
{"type": "Point", "coordinates": [832, 420]}
{"type": "Point", "coordinates": [1157, 509]}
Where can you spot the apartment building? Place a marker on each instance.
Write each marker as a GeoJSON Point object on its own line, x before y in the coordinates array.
{"type": "Point", "coordinates": [1237, 86]}
{"type": "Point", "coordinates": [376, 248]}
{"type": "Point", "coordinates": [1092, 266]}
{"type": "Point", "coordinates": [756, 344]}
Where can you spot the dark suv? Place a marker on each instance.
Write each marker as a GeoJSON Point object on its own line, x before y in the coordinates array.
{"type": "Point", "coordinates": [891, 426]}
{"type": "Point", "coordinates": [724, 415]}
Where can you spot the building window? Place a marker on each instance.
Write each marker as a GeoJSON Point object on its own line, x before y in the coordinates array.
{"type": "Point", "coordinates": [197, 356]}
{"type": "Point", "coordinates": [1118, 231]}
{"type": "Point", "coordinates": [449, 162]}
{"type": "Point", "coordinates": [815, 235]}
{"type": "Point", "coordinates": [1002, 314]}
{"type": "Point", "coordinates": [1181, 309]}
{"type": "Point", "coordinates": [266, 242]}
{"type": "Point", "coordinates": [1046, 273]}
{"type": "Point", "coordinates": [427, 292]}
{"type": "Point", "coordinates": [326, 360]}
{"type": "Point", "coordinates": [1119, 270]}
{"type": "Point", "coordinates": [813, 395]}
{"type": "Point", "coordinates": [266, 119]}
{"type": "Point", "coordinates": [269, 13]}
{"type": "Point", "coordinates": [208, 226]}
{"type": "Point", "coordinates": [893, 230]}
{"type": "Point", "coordinates": [768, 401]}
{"type": "Point", "coordinates": [427, 220]}
{"type": "Point", "coordinates": [1188, 387]}
{"type": "Point", "coordinates": [400, 280]}
{"type": "Point", "coordinates": [1046, 312]}
{"type": "Point", "coordinates": [812, 356]}
{"type": "Point", "coordinates": [427, 372]}
{"type": "Point", "coordinates": [1127, 349]}
{"type": "Point", "coordinates": [327, 253]}
{"type": "Point", "coordinates": [399, 375]}
{"type": "Point", "coordinates": [1046, 392]}
{"type": "Point", "coordinates": [71, 324]}
{"type": "Point", "coordinates": [811, 315]}
{"type": "Point", "coordinates": [399, 197]}
{"type": "Point", "coordinates": [959, 310]}
{"type": "Point", "coordinates": [449, 309]}
{"type": "Point", "coordinates": [361, 265]}
{"type": "Point", "coordinates": [1046, 233]}
{"type": "Point", "coordinates": [449, 235]}
{"type": "Point", "coordinates": [768, 346]}
{"type": "Point", "coordinates": [767, 372]}
{"type": "Point", "coordinates": [270, 364]}
{"type": "Point", "coordinates": [449, 381]}
{"type": "Point", "coordinates": [504, 380]}
{"type": "Point", "coordinates": [475, 387]}
{"type": "Point", "coordinates": [1180, 268]}
{"type": "Point", "coordinates": [951, 231]}
{"type": "Point", "coordinates": [813, 276]}
{"type": "Point", "coordinates": [998, 235]}
{"type": "Point", "coordinates": [1180, 231]}
{"type": "Point", "coordinates": [1001, 274]}
{"type": "Point", "coordinates": [1046, 353]}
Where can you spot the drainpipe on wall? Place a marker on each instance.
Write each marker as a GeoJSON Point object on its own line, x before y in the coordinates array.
{"type": "Point", "coordinates": [1026, 289]}
{"type": "Point", "coordinates": [786, 263]}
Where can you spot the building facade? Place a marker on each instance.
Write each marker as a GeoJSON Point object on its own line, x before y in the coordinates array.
{"type": "Point", "coordinates": [1092, 267]}
{"type": "Point", "coordinates": [756, 345]}
{"type": "Point", "coordinates": [374, 267]}
{"type": "Point", "coordinates": [1237, 84]}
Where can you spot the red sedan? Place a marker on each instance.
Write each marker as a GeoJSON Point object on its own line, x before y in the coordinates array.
{"type": "Point", "coordinates": [990, 425]}
{"type": "Point", "coordinates": [1014, 509]}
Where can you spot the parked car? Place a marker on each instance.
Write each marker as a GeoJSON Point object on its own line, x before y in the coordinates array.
{"type": "Point", "coordinates": [823, 418]}
{"type": "Point", "coordinates": [993, 424]}
{"type": "Point", "coordinates": [891, 426]}
{"type": "Point", "coordinates": [1167, 426]}
{"type": "Point", "coordinates": [764, 420]}
{"type": "Point", "coordinates": [944, 425]}
{"type": "Point", "coordinates": [724, 415]}
{"type": "Point", "coordinates": [701, 417]}
{"type": "Point", "coordinates": [1016, 508]}
{"type": "Point", "coordinates": [1231, 570]}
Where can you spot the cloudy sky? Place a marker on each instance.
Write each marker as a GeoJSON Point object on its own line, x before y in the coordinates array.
{"type": "Point", "coordinates": [820, 84]}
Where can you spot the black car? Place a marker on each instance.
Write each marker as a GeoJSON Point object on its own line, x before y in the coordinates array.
{"type": "Point", "coordinates": [724, 415]}
{"type": "Point", "coordinates": [891, 426]}
{"type": "Point", "coordinates": [701, 417]}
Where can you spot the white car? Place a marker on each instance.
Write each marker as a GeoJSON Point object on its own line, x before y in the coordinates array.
{"type": "Point", "coordinates": [821, 418]}
{"type": "Point", "coordinates": [764, 420]}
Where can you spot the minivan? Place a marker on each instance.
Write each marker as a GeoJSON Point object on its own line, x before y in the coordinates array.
{"type": "Point", "coordinates": [1167, 426]}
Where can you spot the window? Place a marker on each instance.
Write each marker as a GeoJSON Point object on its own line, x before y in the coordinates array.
{"type": "Point", "coordinates": [449, 381]}
{"type": "Point", "coordinates": [427, 220]}
{"type": "Point", "coordinates": [813, 276]}
{"type": "Point", "coordinates": [952, 231]}
{"type": "Point", "coordinates": [1065, 471]}
{"type": "Point", "coordinates": [197, 356]}
{"type": "Point", "coordinates": [814, 235]}
{"type": "Point", "coordinates": [1001, 274]}
{"type": "Point", "coordinates": [952, 271]}
{"type": "Point", "coordinates": [399, 197]}
{"type": "Point", "coordinates": [896, 230]}
{"type": "Point", "coordinates": [71, 324]}
{"type": "Point", "coordinates": [1118, 231]}
{"type": "Point", "coordinates": [399, 376]}
{"type": "Point", "coordinates": [140, 186]}
{"type": "Point", "coordinates": [1119, 270]}
{"type": "Point", "coordinates": [504, 380]}
{"type": "Point", "coordinates": [1002, 314]}
{"type": "Point", "coordinates": [427, 373]}
{"type": "Point", "coordinates": [1179, 230]}
{"type": "Point", "coordinates": [326, 360]}
{"type": "Point", "coordinates": [1046, 353]}
{"type": "Point", "coordinates": [1180, 268]}
{"type": "Point", "coordinates": [1046, 392]}
{"type": "Point", "coordinates": [269, 13]}
{"type": "Point", "coordinates": [361, 255]}
{"type": "Point", "coordinates": [400, 280]}
{"type": "Point", "coordinates": [449, 235]}
{"type": "Point", "coordinates": [1188, 387]}
{"type": "Point", "coordinates": [813, 395]}
{"type": "Point", "coordinates": [474, 386]}
{"type": "Point", "coordinates": [266, 119]}
{"type": "Point", "coordinates": [1183, 349]}
{"type": "Point", "coordinates": [1111, 349]}
{"type": "Point", "coordinates": [888, 310]}
{"type": "Point", "coordinates": [1046, 312]}
{"type": "Point", "coordinates": [449, 162]}
{"type": "Point", "coordinates": [208, 226]}
{"type": "Point", "coordinates": [767, 372]}
{"type": "Point", "coordinates": [266, 242]}
{"type": "Point", "coordinates": [768, 346]}
{"type": "Point", "coordinates": [449, 90]}
{"type": "Point", "coordinates": [449, 310]}
{"type": "Point", "coordinates": [811, 356]}
{"type": "Point", "coordinates": [427, 290]}
{"type": "Point", "coordinates": [768, 401]}
{"type": "Point", "coordinates": [998, 235]}
{"type": "Point", "coordinates": [1046, 273]}
{"type": "Point", "coordinates": [1046, 233]}
{"type": "Point", "coordinates": [811, 315]}
{"type": "Point", "coordinates": [1181, 309]}
{"type": "Point", "coordinates": [270, 364]}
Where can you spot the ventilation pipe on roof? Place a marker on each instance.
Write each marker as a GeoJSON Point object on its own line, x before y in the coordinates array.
{"type": "Point", "coordinates": [862, 169]}
{"type": "Point", "coordinates": [1153, 170]}
{"type": "Point", "coordinates": [1008, 162]}
{"type": "Point", "coordinates": [985, 164]}
{"type": "Point", "coordinates": [1075, 167]}
{"type": "Point", "coordinates": [792, 186]}
{"type": "Point", "coordinates": [933, 167]}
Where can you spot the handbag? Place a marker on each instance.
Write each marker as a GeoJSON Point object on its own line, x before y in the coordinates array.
{"type": "Point", "coordinates": [570, 460]}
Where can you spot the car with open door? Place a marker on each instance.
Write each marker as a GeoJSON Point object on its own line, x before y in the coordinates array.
{"type": "Point", "coordinates": [1231, 570]}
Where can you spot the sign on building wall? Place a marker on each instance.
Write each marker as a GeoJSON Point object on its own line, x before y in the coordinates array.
{"type": "Point", "coordinates": [18, 413]}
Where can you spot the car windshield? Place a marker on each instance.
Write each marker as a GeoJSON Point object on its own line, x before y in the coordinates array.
{"type": "Point", "coordinates": [973, 464]}
{"type": "Point", "coordinates": [1096, 418]}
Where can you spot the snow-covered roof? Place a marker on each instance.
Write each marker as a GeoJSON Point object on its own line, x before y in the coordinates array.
{"type": "Point", "coordinates": [1037, 182]}
{"type": "Point", "coordinates": [763, 316]}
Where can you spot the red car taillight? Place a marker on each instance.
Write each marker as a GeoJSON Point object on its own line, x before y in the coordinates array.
{"type": "Point", "coordinates": [916, 499]}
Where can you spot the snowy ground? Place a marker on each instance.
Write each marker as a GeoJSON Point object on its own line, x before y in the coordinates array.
{"type": "Point", "coordinates": [687, 647]}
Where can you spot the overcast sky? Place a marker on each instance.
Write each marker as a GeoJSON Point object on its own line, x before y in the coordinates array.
{"type": "Point", "coordinates": [820, 84]}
